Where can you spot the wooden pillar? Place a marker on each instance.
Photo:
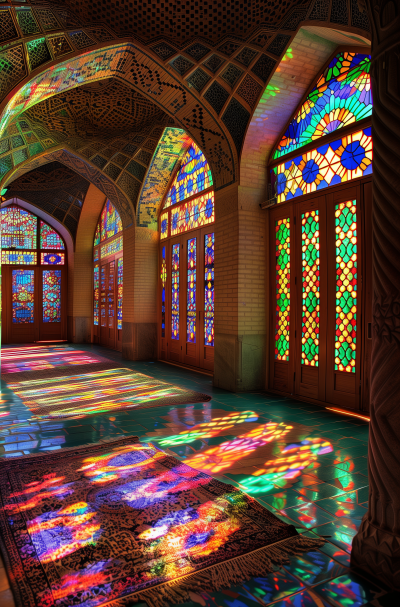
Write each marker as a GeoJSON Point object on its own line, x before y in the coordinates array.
{"type": "Point", "coordinates": [376, 547]}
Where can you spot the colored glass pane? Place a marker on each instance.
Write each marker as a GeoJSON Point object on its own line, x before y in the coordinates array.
{"type": "Point", "coordinates": [209, 290]}
{"type": "Point", "coordinates": [14, 258]}
{"type": "Point", "coordinates": [23, 293]}
{"type": "Point", "coordinates": [310, 288]}
{"type": "Point", "coordinates": [191, 291]}
{"type": "Point", "coordinates": [175, 292]}
{"type": "Point", "coordinates": [52, 259]}
{"type": "Point", "coordinates": [120, 291]}
{"type": "Point", "coordinates": [49, 238]}
{"type": "Point", "coordinates": [18, 229]}
{"type": "Point", "coordinates": [163, 282]}
{"type": "Point", "coordinates": [96, 275]}
{"type": "Point", "coordinates": [336, 162]}
{"type": "Point", "coordinates": [341, 96]}
{"type": "Point", "coordinates": [103, 296]}
{"type": "Point", "coordinates": [193, 214]}
{"type": "Point", "coordinates": [96, 254]}
{"type": "Point", "coordinates": [97, 235]}
{"type": "Point", "coordinates": [111, 223]}
{"type": "Point", "coordinates": [164, 225]}
{"type": "Point", "coordinates": [346, 286]}
{"type": "Point", "coordinates": [110, 294]}
{"type": "Point", "coordinates": [51, 295]}
{"type": "Point", "coordinates": [111, 248]}
{"type": "Point", "coordinates": [193, 176]}
{"type": "Point", "coordinates": [282, 235]}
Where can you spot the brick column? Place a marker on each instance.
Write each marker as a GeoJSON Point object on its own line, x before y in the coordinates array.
{"type": "Point", "coordinates": [240, 338]}
{"type": "Point", "coordinates": [139, 326]}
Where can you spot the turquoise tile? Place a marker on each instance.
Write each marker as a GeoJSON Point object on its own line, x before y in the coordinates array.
{"type": "Point", "coordinates": [349, 589]}
{"type": "Point", "coordinates": [315, 567]}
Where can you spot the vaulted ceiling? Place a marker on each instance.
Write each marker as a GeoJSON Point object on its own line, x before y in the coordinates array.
{"type": "Point", "coordinates": [131, 68]}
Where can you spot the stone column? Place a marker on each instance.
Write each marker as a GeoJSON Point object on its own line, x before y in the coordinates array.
{"type": "Point", "coordinates": [376, 547]}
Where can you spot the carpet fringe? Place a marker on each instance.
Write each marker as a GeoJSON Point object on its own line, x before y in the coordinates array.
{"type": "Point", "coordinates": [235, 571]}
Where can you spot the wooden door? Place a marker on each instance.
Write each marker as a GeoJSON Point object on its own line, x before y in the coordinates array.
{"type": "Point", "coordinates": [311, 289]}
{"type": "Point", "coordinates": [108, 304]}
{"type": "Point", "coordinates": [52, 308]}
{"type": "Point", "coordinates": [187, 299]}
{"type": "Point", "coordinates": [20, 304]}
{"type": "Point", "coordinates": [345, 294]}
{"type": "Point", "coordinates": [282, 289]}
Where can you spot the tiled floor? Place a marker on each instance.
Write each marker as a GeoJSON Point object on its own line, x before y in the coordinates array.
{"type": "Point", "coordinates": [306, 464]}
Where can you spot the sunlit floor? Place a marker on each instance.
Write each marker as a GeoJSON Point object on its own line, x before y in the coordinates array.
{"type": "Point", "coordinates": [306, 464]}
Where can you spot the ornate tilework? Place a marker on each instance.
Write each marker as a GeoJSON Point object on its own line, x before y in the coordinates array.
{"type": "Point", "coordinates": [7, 27]}
{"type": "Point", "coordinates": [163, 50]}
{"type": "Point", "coordinates": [214, 62]}
{"type": "Point", "coordinates": [278, 45]}
{"type": "Point", "coordinates": [246, 56]}
{"type": "Point", "coordinates": [197, 51]}
{"type": "Point", "coordinates": [38, 52]}
{"type": "Point", "coordinates": [236, 118]}
{"type": "Point", "coordinates": [198, 79]}
{"type": "Point", "coordinates": [263, 67]}
{"type": "Point", "coordinates": [216, 95]}
{"type": "Point", "coordinates": [181, 65]}
{"type": "Point", "coordinates": [231, 74]}
{"type": "Point", "coordinates": [249, 90]}
{"type": "Point", "coordinates": [228, 48]}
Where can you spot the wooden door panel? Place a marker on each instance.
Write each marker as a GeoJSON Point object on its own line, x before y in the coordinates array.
{"type": "Point", "coordinates": [344, 296]}
{"type": "Point", "coordinates": [310, 268]}
{"type": "Point", "coordinates": [367, 298]}
{"type": "Point", "coordinates": [282, 299]}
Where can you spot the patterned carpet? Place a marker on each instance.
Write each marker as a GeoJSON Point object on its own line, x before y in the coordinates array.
{"type": "Point", "coordinates": [99, 392]}
{"type": "Point", "coordinates": [120, 521]}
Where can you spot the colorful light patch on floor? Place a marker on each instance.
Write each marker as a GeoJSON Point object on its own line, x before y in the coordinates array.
{"type": "Point", "coordinates": [122, 517]}
{"type": "Point", "coordinates": [37, 358]}
{"type": "Point", "coordinates": [98, 392]}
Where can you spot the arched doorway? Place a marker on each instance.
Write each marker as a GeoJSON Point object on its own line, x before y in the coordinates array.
{"type": "Point", "coordinates": [319, 230]}
{"type": "Point", "coordinates": [34, 278]}
{"type": "Point", "coordinates": [186, 321]}
{"type": "Point", "coordinates": [108, 269]}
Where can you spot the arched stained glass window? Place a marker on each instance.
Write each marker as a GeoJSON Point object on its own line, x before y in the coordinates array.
{"type": "Point", "coordinates": [192, 188]}
{"type": "Point", "coordinates": [35, 291]}
{"type": "Point", "coordinates": [341, 97]}
{"type": "Point", "coordinates": [108, 278]}
{"type": "Point", "coordinates": [21, 232]}
{"type": "Point", "coordinates": [187, 263]}
{"type": "Point", "coordinates": [193, 177]}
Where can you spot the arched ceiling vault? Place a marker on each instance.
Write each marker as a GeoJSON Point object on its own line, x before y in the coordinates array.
{"type": "Point", "coordinates": [97, 87]}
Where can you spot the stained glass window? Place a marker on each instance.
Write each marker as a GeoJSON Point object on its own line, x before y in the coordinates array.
{"type": "Point", "coordinates": [110, 294]}
{"type": "Point", "coordinates": [120, 278]}
{"type": "Point", "coordinates": [18, 229]}
{"type": "Point", "coordinates": [111, 248]}
{"type": "Point", "coordinates": [163, 283]}
{"type": "Point", "coordinates": [310, 288]}
{"type": "Point", "coordinates": [96, 276]}
{"type": "Point", "coordinates": [52, 259]}
{"type": "Point", "coordinates": [23, 293]}
{"type": "Point", "coordinates": [97, 235]}
{"type": "Point", "coordinates": [282, 235]}
{"type": "Point", "coordinates": [96, 254]}
{"type": "Point", "coordinates": [191, 291]}
{"type": "Point", "coordinates": [341, 96]}
{"type": "Point", "coordinates": [346, 286]}
{"type": "Point", "coordinates": [110, 222]}
{"type": "Point", "coordinates": [330, 164]}
{"type": "Point", "coordinates": [193, 214]}
{"type": "Point", "coordinates": [103, 296]}
{"type": "Point", "coordinates": [164, 225]}
{"type": "Point", "coordinates": [194, 176]}
{"type": "Point", "coordinates": [175, 292]}
{"type": "Point", "coordinates": [49, 238]}
{"type": "Point", "coordinates": [209, 290]}
{"type": "Point", "coordinates": [26, 258]}
{"type": "Point", "coordinates": [51, 295]}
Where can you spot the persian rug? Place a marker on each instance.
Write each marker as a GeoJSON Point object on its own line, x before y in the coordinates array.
{"type": "Point", "coordinates": [120, 521]}
{"type": "Point", "coordinates": [44, 361]}
{"type": "Point", "coordinates": [99, 392]}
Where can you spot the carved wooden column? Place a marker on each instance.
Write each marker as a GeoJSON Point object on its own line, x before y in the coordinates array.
{"type": "Point", "coordinates": [376, 547]}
